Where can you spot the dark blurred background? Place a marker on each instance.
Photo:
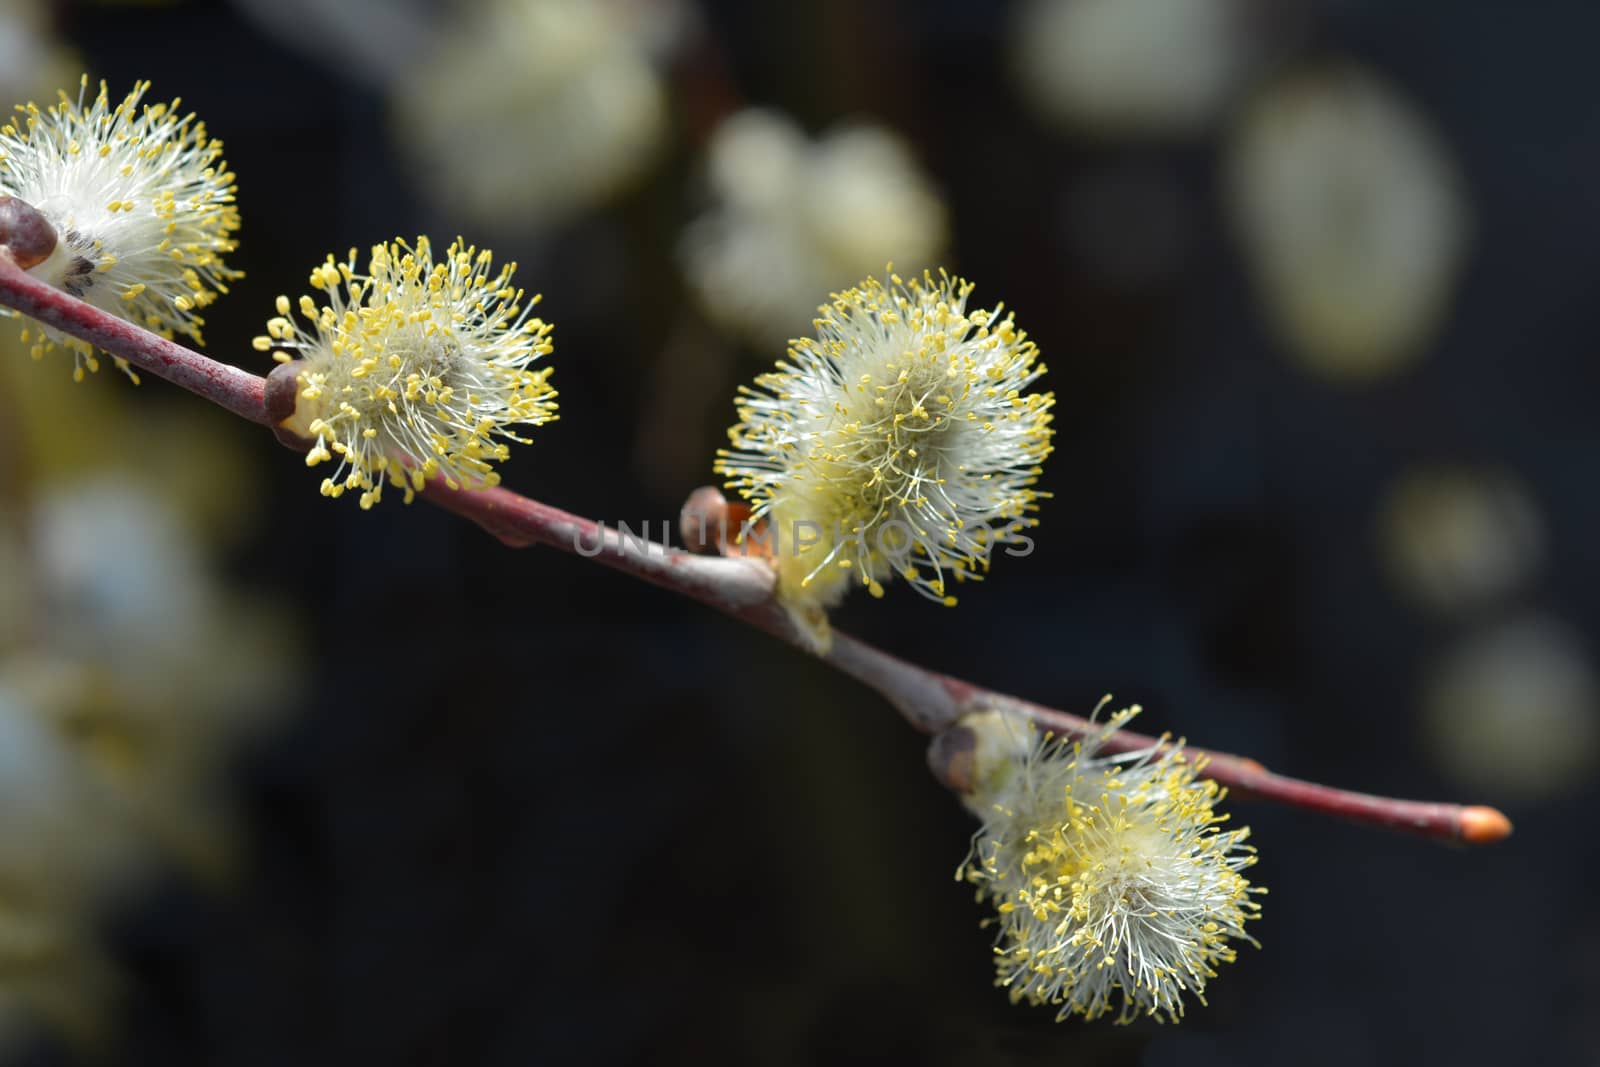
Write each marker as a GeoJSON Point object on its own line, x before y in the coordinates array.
{"type": "Point", "coordinates": [523, 810]}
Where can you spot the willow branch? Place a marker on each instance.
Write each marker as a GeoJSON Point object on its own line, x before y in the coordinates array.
{"type": "Point", "coordinates": [739, 587]}
{"type": "Point", "coordinates": [227, 387]}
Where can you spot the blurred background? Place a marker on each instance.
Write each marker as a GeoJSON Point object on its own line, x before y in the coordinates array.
{"type": "Point", "coordinates": [285, 782]}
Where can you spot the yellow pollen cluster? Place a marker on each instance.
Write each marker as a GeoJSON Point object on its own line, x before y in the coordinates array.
{"type": "Point", "coordinates": [1109, 875]}
{"type": "Point", "coordinates": [413, 369]}
{"type": "Point", "coordinates": [898, 441]}
{"type": "Point", "coordinates": [142, 205]}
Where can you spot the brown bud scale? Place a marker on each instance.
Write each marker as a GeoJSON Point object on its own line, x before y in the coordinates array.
{"type": "Point", "coordinates": [25, 235]}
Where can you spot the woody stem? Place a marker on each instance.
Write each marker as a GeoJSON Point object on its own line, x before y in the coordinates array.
{"type": "Point", "coordinates": [742, 588]}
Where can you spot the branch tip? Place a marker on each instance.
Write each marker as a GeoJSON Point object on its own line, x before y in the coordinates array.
{"type": "Point", "coordinates": [1482, 825]}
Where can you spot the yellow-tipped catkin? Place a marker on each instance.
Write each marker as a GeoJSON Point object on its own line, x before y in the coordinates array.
{"type": "Point", "coordinates": [413, 369]}
{"type": "Point", "coordinates": [1115, 890]}
{"type": "Point", "coordinates": [898, 442]}
{"type": "Point", "coordinates": [142, 204]}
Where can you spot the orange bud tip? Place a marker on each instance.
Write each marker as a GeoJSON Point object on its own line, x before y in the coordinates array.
{"type": "Point", "coordinates": [1484, 826]}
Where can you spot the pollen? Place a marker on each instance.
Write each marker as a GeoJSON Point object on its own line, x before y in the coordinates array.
{"type": "Point", "coordinates": [898, 442]}
{"type": "Point", "coordinates": [141, 200]}
{"type": "Point", "coordinates": [414, 368]}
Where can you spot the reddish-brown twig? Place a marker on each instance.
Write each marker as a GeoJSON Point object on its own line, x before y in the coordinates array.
{"type": "Point", "coordinates": [742, 588]}
{"type": "Point", "coordinates": [228, 387]}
